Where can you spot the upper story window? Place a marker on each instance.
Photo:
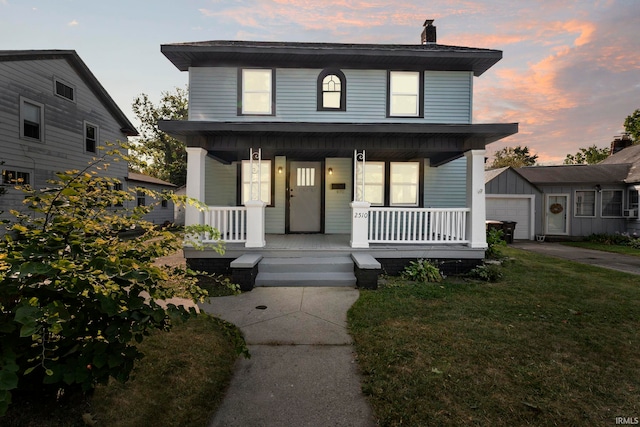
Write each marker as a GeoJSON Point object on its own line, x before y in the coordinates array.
{"type": "Point", "coordinates": [586, 203]}
{"type": "Point", "coordinates": [90, 137]}
{"type": "Point", "coordinates": [405, 94]}
{"type": "Point", "coordinates": [64, 90]}
{"type": "Point", "coordinates": [332, 91]}
{"type": "Point", "coordinates": [31, 119]}
{"type": "Point", "coordinates": [257, 95]}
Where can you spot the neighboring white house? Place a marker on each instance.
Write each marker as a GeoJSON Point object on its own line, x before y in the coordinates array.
{"type": "Point", "coordinates": [53, 116]}
{"type": "Point", "coordinates": [163, 211]}
{"type": "Point", "coordinates": [371, 146]}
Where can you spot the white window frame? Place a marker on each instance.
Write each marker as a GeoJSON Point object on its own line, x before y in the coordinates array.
{"type": "Point", "coordinates": [97, 136]}
{"type": "Point", "coordinates": [393, 93]}
{"type": "Point", "coordinates": [266, 181]}
{"type": "Point", "coordinates": [393, 184]}
{"type": "Point", "coordinates": [270, 92]}
{"type": "Point", "coordinates": [24, 101]}
{"type": "Point", "coordinates": [369, 182]}
{"type": "Point", "coordinates": [57, 80]}
{"type": "Point", "coordinates": [576, 210]}
{"type": "Point", "coordinates": [602, 202]}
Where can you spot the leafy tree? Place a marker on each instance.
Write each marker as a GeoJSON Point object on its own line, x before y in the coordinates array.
{"type": "Point", "coordinates": [166, 157]}
{"type": "Point", "coordinates": [515, 157]}
{"type": "Point", "coordinates": [590, 155]}
{"type": "Point", "coordinates": [75, 296]}
{"type": "Point", "coordinates": [632, 126]}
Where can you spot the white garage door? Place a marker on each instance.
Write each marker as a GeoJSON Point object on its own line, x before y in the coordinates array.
{"type": "Point", "coordinates": [511, 209]}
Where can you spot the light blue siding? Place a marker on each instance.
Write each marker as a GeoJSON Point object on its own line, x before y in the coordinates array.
{"type": "Point", "coordinates": [445, 186]}
{"type": "Point", "coordinates": [275, 215]}
{"type": "Point", "coordinates": [220, 183]}
{"type": "Point", "coordinates": [337, 208]}
{"type": "Point", "coordinates": [214, 96]}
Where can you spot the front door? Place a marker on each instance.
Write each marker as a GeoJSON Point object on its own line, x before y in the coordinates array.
{"type": "Point", "coordinates": [557, 214]}
{"type": "Point", "coordinates": [305, 197]}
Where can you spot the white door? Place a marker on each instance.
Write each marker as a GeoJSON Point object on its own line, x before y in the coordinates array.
{"type": "Point", "coordinates": [557, 214]}
{"type": "Point", "coordinates": [518, 209]}
{"type": "Point", "coordinates": [305, 197]}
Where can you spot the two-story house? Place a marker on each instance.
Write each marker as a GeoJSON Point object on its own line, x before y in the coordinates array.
{"type": "Point", "coordinates": [54, 116]}
{"type": "Point", "coordinates": [321, 149]}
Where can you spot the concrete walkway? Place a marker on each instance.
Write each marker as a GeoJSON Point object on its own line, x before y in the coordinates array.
{"type": "Point", "coordinates": [625, 263]}
{"type": "Point", "coordinates": [302, 370]}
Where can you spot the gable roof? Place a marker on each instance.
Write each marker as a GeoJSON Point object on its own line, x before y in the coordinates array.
{"type": "Point", "coordinates": [83, 71]}
{"type": "Point", "coordinates": [629, 155]}
{"type": "Point", "coordinates": [576, 174]}
{"type": "Point", "coordinates": [134, 176]}
{"type": "Point", "coordinates": [320, 55]}
{"type": "Point", "coordinates": [491, 174]}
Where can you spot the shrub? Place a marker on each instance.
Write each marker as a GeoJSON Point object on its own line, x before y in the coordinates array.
{"type": "Point", "coordinates": [422, 271]}
{"type": "Point", "coordinates": [495, 242]}
{"type": "Point", "coordinates": [75, 296]}
{"type": "Point", "coordinates": [486, 273]}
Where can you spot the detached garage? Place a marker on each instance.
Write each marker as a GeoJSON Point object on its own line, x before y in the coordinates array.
{"type": "Point", "coordinates": [510, 197]}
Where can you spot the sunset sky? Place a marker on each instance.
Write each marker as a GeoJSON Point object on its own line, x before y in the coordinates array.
{"type": "Point", "coordinates": [570, 72]}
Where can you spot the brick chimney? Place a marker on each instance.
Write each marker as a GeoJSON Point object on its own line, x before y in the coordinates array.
{"type": "Point", "coordinates": [619, 143]}
{"type": "Point", "coordinates": [429, 32]}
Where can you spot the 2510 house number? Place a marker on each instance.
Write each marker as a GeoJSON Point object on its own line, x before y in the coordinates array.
{"type": "Point", "coordinates": [364, 215]}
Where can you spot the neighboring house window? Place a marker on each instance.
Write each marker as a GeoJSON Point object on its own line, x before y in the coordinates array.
{"type": "Point", "coordinates": [141, 197]}
{"type": "Point", "coordinates": [257, 94]}
{"type": "Point", "coordinates": [332, 90]}
{"type": "Point", "coordinates": [404, 183]}
{"type": "Point", "coordinates": [90, 137]}
{"type": "Point", "coordinates": [265, 181]}
{"type": "Point", "coordinates": [31, 119]}
{"type": "Point", "coordinates": [64, 90]}
{"type": "Point", "coordinates": [611, 203]}
{"type": "Point", "coordinates": [633, 199]}
{"type": "Point", "coordinates": [373, 182]}
{"type": "Point", "coordinates": [13, 177]}
{"type": "Point", "coordinates": [586, 203]}
{"type": "Point", "coordinates": [405, 94]}
{"type": "Point", "coordinates": [164, 203]}
{"type": "Point", "coordinates": [118, 187]}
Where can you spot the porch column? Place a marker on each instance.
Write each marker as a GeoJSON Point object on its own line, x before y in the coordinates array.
{"type": "Point", "coordinates": [476, 199]}
{"type": "Point", "coordinates": [255, 224]}
{"type": "Point", "coordinates": [195, 184]}
{"type": "Point", "coordinates": [360, 224]}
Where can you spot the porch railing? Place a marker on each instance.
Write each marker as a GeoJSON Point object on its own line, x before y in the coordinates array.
{"type": "Point", "coordinates": [231, 221]}
{"type": "Point", "coordinates": [419, 225]}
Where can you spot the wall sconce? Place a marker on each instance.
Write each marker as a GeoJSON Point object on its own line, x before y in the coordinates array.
{"type": "Point", "coordinates": [330, 171]}
{"type": "Point", "coordinates": [598, 188]}
{"type": "Point", "coordinates": [279, 169]}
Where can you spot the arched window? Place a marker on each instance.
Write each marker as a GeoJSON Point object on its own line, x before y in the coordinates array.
{"type": "Point", "coordinates": [332, 90]}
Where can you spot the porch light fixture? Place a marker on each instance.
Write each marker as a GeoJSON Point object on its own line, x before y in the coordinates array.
{"type": "Point", "coordinates": [598, 188]}
{"type": "Point", "coordinates": [280, 169]}
{"type": "Point", "coordinates": [330, 171]}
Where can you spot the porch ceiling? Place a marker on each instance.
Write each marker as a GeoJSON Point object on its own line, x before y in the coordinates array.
{"type": "Point", "coordinates": [230, 141]}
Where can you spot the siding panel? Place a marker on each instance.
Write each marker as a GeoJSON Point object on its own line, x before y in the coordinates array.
{"type": "Point", "coordinates": [445, 186]}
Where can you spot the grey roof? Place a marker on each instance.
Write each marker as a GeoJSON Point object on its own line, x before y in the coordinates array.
{"type": "Point", "coordinates": [576, 174]}
{"type": "Point", "coordinates": [629, 155]}
{"type": "Point", "coordinates": [321, 55]}
{"type": "Point", "coordinates": [83, 71]}
{"type": "Point", "coordinates": [134, 176]}
{"type": "Point", "coordinates": [493, 173]}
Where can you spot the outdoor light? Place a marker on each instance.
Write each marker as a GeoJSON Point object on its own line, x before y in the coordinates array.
{"type": "Point", "coordinates": [330, 171]}
{"type": "Point", "coordinates": [279, 169]}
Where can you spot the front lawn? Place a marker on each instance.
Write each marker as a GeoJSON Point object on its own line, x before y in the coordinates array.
{"type": "Point", "coordinates": [554, 343]}
{"type": "Point", "coordinates": [618, 249]}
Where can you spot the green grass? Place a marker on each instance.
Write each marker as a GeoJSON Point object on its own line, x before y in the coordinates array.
{"type": "Point", "coordinates": [554, 343]}
{"type": "Point", "coordinates": [180, 382]}
{"type": "Point", "coordinates": [618, 249]}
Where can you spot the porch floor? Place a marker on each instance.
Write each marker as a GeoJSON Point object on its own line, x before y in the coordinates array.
{"type": "Point", "coordinates": [327, 245]}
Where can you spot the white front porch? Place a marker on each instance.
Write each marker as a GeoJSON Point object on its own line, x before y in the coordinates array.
{"type": "Point", "coordinates": [243, 228]}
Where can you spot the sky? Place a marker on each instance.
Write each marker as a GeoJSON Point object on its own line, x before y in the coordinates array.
{"type": "Point", "coordinates": [570, 72]}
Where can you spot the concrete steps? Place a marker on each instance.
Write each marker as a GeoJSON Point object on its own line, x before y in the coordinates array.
{"type": "Point", "coordinates": [330, 271]}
